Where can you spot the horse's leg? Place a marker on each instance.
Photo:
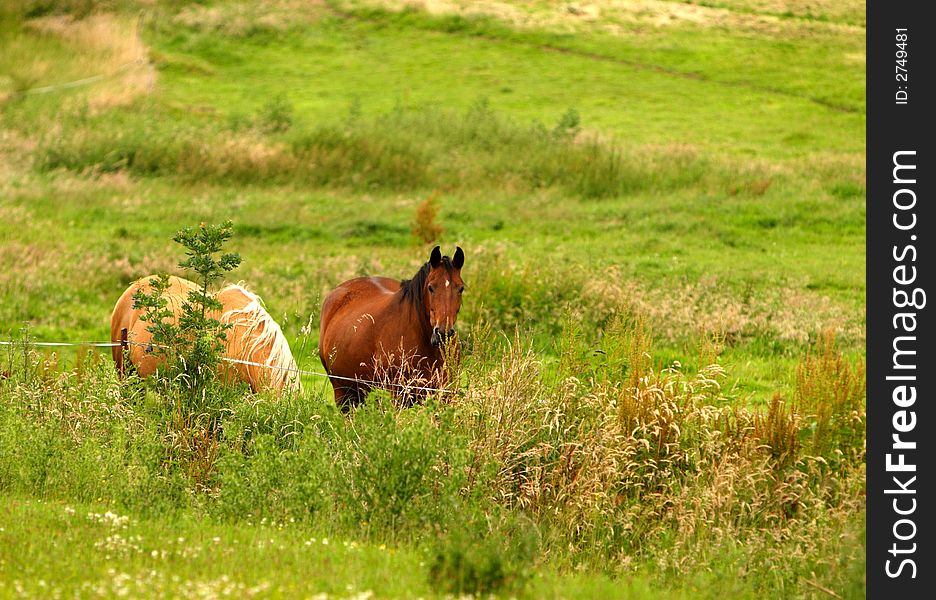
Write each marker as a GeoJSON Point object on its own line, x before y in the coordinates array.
{"type": "Point", "coordinates": [346, 397]}
{"type": "Point", "coordinates": [358, 395]}
{"type": "Point", "coordinates": [340, 400]}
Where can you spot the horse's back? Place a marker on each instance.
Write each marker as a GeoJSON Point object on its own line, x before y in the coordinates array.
{"type": "Point", "coordinates": [347, 308]}
{"type": "Point", "coordinates": [355, 295]}
{"type": "Point", "coordinates": [358, 290]}
{"type": "Point", "coordinates": [253, 335]}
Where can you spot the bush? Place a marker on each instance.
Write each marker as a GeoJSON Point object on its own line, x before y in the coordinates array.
{"type": "Point", "coordinates": [263, 479]}
{"type": "Point", "coordinates": [396, 469]}
{"type": "Point", "coordinates": [425, 228]}
{"type": "Point", "coordinates": [403, 150]}
{"type": "Point", "coordinates": [88, 438]}
{"type": "Point", "coordinates": [478, 556]}
{"type": "Point", "coordinates": [276, 115]}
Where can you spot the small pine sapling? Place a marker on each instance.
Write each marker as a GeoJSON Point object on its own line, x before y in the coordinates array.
{"type": "Point", "coordinates": [194, 342]}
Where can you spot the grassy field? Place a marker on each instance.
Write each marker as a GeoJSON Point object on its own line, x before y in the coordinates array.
{"type": "Point", "coordinates": [662, 208]}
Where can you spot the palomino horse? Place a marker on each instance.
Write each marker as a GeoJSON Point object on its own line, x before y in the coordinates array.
{"type": "Point", "coordinates": [253, 336]}
{"type": "Point", "coordinates": [376, 329]}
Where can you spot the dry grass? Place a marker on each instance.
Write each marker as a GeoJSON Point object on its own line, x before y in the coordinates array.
{"type": "Point", "coordinates": [15, 150]}
{"type": "Point", "coordinates": [831, 391]}
{"type": "Point", "coordinates": [621, 464]}
{"type": "Point", "coordinates": [628, 17]}
{"type": "Point", "coordinates": [846, 11]}
{"type": "Point", "coordinates": [102, 44]}
{"type": "Point", "coordinates": [23, 265]}
{"type": "Point", "coordinates": [787, 314]}
{"type": "Point", "coordinates": [236, 155]}
{"type": "Point", "coordinates": [239, 19]}
{"type": "Point", "coordinates": [778, 429]}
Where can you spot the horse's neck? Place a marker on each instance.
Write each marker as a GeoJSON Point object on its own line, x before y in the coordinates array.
{"type": "Point", "coordinates": [415, 322]}
{"type": "Point", "coordinates": [415, 316]}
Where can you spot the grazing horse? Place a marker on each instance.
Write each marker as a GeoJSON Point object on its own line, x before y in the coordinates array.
{"type": "Point", "coordinates": [376, 329]}
{"type": "Point", "coordinates": [253, 336]}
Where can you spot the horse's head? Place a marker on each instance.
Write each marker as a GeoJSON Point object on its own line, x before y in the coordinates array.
{"type": "Point", "coordinates": [443, 293]}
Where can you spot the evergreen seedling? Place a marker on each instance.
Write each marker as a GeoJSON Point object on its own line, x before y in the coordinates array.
{"type": "Point", "coordinates": [194, 342]}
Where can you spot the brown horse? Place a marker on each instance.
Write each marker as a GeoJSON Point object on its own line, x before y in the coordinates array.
{"type": "Point", "coordinates": [376, 329]}
{"type": "Point", "coordinates": [253, 336]}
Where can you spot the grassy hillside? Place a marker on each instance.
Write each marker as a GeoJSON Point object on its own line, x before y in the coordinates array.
{"type": "Point", "coordinates": [641, 188]}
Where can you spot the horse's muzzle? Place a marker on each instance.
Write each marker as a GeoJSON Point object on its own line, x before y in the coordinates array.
{"type": "Point", "coordinates": [439, 336]}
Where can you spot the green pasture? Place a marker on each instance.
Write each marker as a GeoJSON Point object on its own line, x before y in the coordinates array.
{"type": "Point", "coordinates": [755, 187]}
{"type": "Point", "coordinates": [695, 168]}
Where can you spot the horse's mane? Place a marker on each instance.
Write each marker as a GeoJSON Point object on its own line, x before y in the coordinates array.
{"type": "Point", "coordinates": [263, 331]}
{"type": "Point", "coordinates": [413, 288]}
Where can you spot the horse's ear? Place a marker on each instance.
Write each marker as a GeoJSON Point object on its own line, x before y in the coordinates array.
{"type": "Point", "coordinates": [435, 259]}
{"type": "Point", "coordinates": [459, 259]}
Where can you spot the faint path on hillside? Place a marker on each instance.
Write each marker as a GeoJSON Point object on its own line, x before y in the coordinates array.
{"type": "Point", "coordinates": [353, 15]}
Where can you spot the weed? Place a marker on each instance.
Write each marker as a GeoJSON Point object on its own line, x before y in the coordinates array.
{"type": "Point", "coordinates": [569, 125]}
{"type": "Point", "coordinates": [779, 430]}
{"type": "Point", "coordinates": [830, 390]}
{"type": "Point", "coordinates": [277, 115]}
{"type": "Point", "coordinates": [425, 228]}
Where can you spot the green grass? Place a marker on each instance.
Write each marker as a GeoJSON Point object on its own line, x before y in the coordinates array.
{"type": "Point", "coordinates": [49, 548]}
{"type": "Point", "coordinates": [375, 63]}
{"type": "Point", "coordinates": [700, 172]}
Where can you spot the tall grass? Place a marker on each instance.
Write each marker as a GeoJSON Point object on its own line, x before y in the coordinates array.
{"type": "Point", "coordinates": [610, 462]}
{"type": "Point", "coordinates": [831, 390]}
{"type": "Point", "coordinates": [405, 149]}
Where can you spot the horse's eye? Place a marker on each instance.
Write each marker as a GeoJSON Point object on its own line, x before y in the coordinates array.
{"type": "Point", "coordinates": [461, 289]}
{"type": "Point", "coordinates": [431, 290]}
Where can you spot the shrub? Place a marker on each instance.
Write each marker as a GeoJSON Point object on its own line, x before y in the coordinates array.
{"type": "Point", "coordinates": [425, 228]}
{"type": "Point", "coordinates": [478, 555]}
{"type": "Point", "coordinates": [395, 469]}
{"type": "Point", "coordinates": [76, 8]}
{"type": "Point", "coordinates": [88, 439]}
{"type": "Point", "coordinates": [276, 115]}
{"type": "Point", "coordinates": [361, 157]}
{"type": "Point", "coordinates": [403, 150]}
{"type": "Point", "coordinates": [570, 124]}
{"type": "Point", "coordinates": [263, 479]}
